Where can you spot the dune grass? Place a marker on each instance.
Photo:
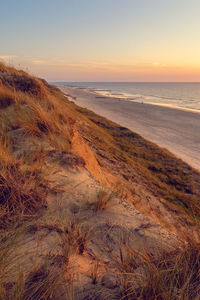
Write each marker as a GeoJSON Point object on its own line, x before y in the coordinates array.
{"type": "Point", "coordinates": [31, 107]}
{"type": "Point", "coordinates": [20, 194]}
{"type": "Point", "coordinates": [43, 282]}
{"type": "Point", "coordinates": [103, 202]}
{"type": "Point", "coordinates": [43, 114]}
{"type": "Point", "coordinates": [161, 275]}
{"type": "Point", "coordinates": [7, 97]}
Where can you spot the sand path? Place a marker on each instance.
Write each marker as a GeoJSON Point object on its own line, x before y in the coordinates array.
{"type": "Point", "coordinates": [175, 129]}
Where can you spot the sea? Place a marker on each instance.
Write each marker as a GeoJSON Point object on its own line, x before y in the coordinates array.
{"type": "Point", "coordinates": [180, 95]}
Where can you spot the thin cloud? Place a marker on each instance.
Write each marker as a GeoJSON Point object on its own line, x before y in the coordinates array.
{"type": "Point", "coordinates": [157, 64]}
{"type": "Point", "coordinates": [5, 57]}
{"type": "Point", "coordinates": [40, 62]}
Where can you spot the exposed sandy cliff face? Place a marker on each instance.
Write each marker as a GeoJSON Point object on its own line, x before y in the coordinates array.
{"type": "Point", "coordinates": [80, 147]}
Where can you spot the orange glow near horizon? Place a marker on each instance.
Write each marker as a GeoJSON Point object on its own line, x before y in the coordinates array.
{"type": "Point", "coordinates": [60, 70]}
{"type": "Point", "coordinates": [94, 71]}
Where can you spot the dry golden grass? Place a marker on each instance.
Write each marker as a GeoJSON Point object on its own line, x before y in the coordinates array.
{"type": "Point", "coordinates": [11, 96]}
{"type": "Point", "coordinates": [20, 194]}
{"type": "Point", "coordinates": [5, 157]}
{"type": "Point", "coordinates": [22, 81]}
{"type": "Point", "coordinates": [43, 120]}
{"type": "Point", "coordinates": [43, 283]}
{"type": "Point", "coordinates": [30, 104]}
{"type": "Point", "coordinates": [165, 275]}
{"type": "Point", "coordinates": [35, 120]}
{"type": "Point", "coordinates": [76, 237]}
{"type": "Point", "coordinates": [7, 97]}
{"type": "Point", "coordinates": [103, 202]}
{"type": "Point", "coordinates": [21, 191]}
{"type": "Point", "coordinates": [47, 281]}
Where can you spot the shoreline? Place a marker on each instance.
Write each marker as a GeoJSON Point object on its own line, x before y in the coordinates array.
{"type": "Point", "coordinates": [172, 107]}
{"type": "Point", "coordinates": [130, 99]}
{"type": "Point", "coordinates": [177, 130]}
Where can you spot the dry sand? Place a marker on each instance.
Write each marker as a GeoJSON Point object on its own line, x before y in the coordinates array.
{"type": "Point", "coordinates": [175, 129]}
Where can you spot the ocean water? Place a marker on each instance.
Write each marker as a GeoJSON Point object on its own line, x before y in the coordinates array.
{"type": "Point", "coordinates": [182, 95]}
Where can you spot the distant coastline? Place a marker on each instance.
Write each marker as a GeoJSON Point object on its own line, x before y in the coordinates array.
{"type": "Point", "coordinates": [175, 95]}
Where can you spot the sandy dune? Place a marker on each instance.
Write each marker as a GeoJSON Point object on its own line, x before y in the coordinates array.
{"type": "Point", "coordinates": [175, 129]}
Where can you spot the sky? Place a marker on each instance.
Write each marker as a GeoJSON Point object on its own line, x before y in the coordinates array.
{"type": "Point", "coordinates": [102, 40]}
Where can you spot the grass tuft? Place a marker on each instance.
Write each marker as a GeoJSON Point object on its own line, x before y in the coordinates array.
{"type": "Point", "coordinates": [76, 237]}
{"type": "Point", "coordinates": [162, 275]}
{"type": "Point", "coordinates": [103, 201]}
{"type": "Point", "coordinates": [20, 194]}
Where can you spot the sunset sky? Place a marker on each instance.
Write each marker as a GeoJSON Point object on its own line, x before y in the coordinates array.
{"type": "Point", "coordinates": [102, 40]}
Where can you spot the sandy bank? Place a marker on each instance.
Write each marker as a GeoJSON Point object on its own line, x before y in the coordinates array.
{"type": "Point", "coordinates": [177, 130]}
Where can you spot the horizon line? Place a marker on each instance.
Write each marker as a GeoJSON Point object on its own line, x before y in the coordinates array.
{"type": "Point", "coordinates": [124, 81]}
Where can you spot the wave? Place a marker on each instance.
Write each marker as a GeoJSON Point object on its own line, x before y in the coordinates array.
{"type": "Point", "coordinates": [172, 102]}
{"type": "Point", "coordinates": [183, 95]}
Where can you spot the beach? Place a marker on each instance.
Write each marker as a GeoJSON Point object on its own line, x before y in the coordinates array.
{"type": "Point", "coordinates": [175, 129]}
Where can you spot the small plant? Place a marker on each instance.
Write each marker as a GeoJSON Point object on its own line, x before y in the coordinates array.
{"type": "Point", "coordinates": [94, 272]}
{"type": "Point", "coordinates": [103, 200]}
{"type": "Point", "coordinates": [76, 237]}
